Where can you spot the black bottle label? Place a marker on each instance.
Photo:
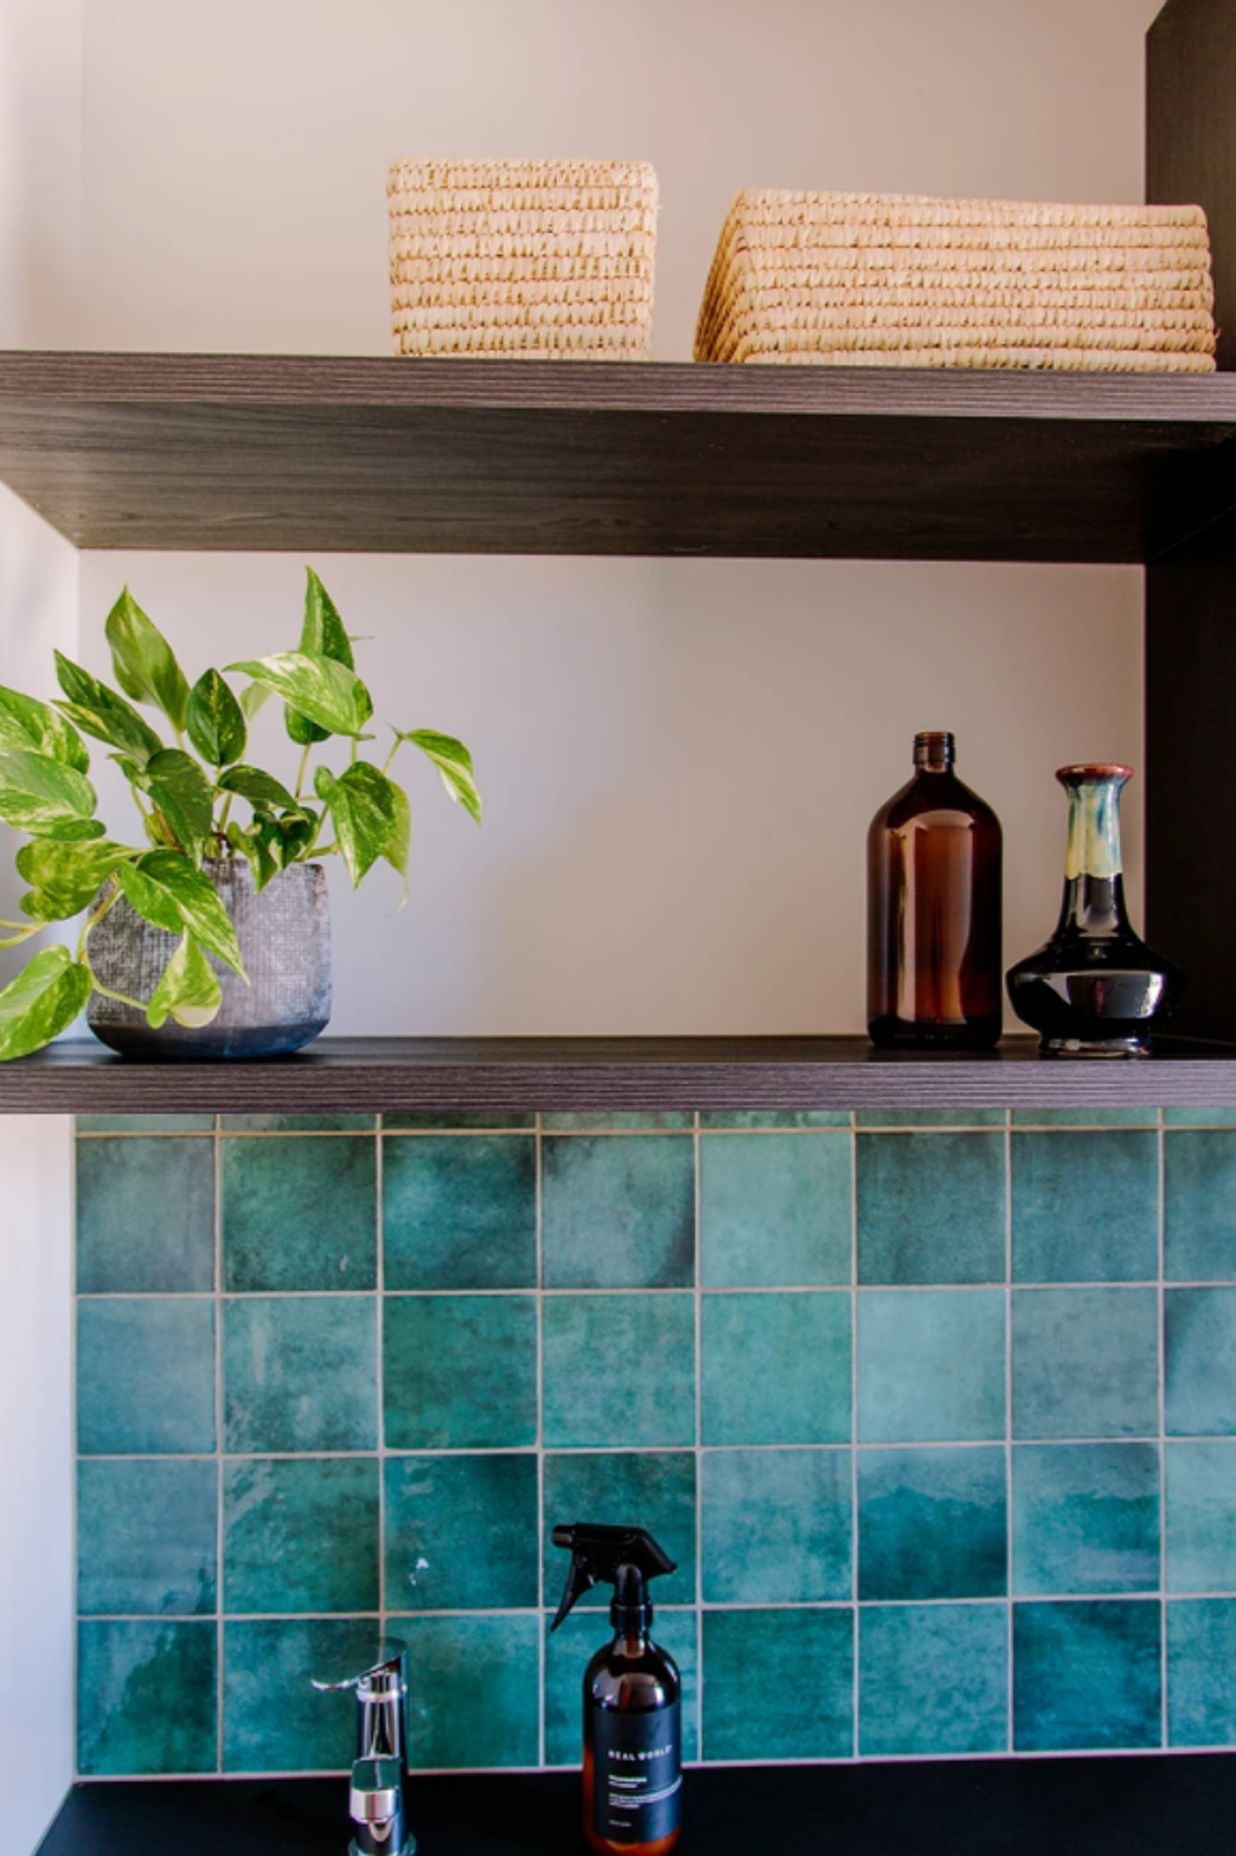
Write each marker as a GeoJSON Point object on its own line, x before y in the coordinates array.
{"type": "Point", "coordinates": [637, 1796]}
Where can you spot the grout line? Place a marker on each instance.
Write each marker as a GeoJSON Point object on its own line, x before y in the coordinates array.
{"type": "Point", "coordinates": [700, 1677]}
{"type": "Point", "coordinates": [1147, 1126]}
{"type": "Point", "coordinates": [221, 1596]}
{"type": "Point", "coordinates": [530, 1288]}
{"type": "Point", "coordinates": [593, 1610]}
{"type": "Point", "coordinates": [542, 1645]}
{"type": "Point", "coordinates": [1162, 1409]}
{"type": "Point", "coordinates": [393, 1451]}
{"type": "Point", "coordinates": [1010, 1695]}
{"type": "Point", "coordinates": [856, 1676]}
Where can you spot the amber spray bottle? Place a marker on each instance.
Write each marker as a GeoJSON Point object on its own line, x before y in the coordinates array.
{"type": "Point", "coordinates": [934, 910]}
{"type": "Point", "coordinates": [632, 1697]}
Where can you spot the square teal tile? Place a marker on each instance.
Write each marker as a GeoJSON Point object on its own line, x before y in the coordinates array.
{"type": "Point", "coordinates": [300, 1374]}
{"type": "Point", "coordinates": [298, 1124]}
{"type": "Point", "coordinates": [775, 1368]}
{"type": "Point", "coordinates": [930, 1365]}
{"type": "Point", "coordinates": [1086, 1675]}
{"type": "Point", "coordinates": [1085, 1363]}
{"type": "Point", "coordinates": [459, 1213]}
{"type": "Point", "coordinates": [1201, 1517]}
{"type": "Point", "coordinates": [473, 1690]}
{"type": "Point", "coordinates": [299, 1214]}
{"type": "Point", "coordinates": [1201, 1672]}
{"type": "Point", "coordinates": [932, 1524]}
{"type": "Point", "coordinates": [927, 1118]}
{"type": "Point", "coordinates": [618, 1211]}
{"type": "Point", "coordinates": [1085, 1118]}
{"type": "Point", "coordinates": [1199, 1205]}
{"type": "Point", "coordinates": [461, 1533]}
{"type": "Point", "coordinates": [931, 1208]}
{"type": "Point", "coordinates": [145, 1216]}
{"type": "Point", "coordinates": [622, 1119]}
{"type": "Point", "coordinates": [796, 1696]}
{"type": "Point", "coordinates": [459, 1372]}
{"type": "Point", "coordinates": [468, 1121]}
{"type": "Point", "coordinates": [300, 1534]}
{"type": "Point", "coordinates": [1085, 1518]}
{"type": "Point", "coordinates": [1200, 1117]}
{"type": "Point", "coordinates": [145, 1124]}
{"type": "Point", "coordinates": [655, 1488]}
{"type": "Point", "coordinates": [1086, 1207]}
{"type": "Point", "coordinates": [146, 1537]}
{"type": "Point", "coordinates": [618, 1369]}
{"type": "Point", "coordinates": [776, 1118]}
{"type": "Point", "coordinates": [933, 1679]}
{"type": "Point", "coordinates": [776, 1526]}
{"type": "Point", "coordinates": [1200, 1362]}
{"type": "Point", "coordinates": [146, 1377]}
{"type": "Point", "coordinates": [567, 1653]}
{"type": "Point", "coordinates": [146, 1697]}
{"type": "Point", "coordinates": [775, 1210]}
{"type": "Point", "coordinates": [307, 1731]}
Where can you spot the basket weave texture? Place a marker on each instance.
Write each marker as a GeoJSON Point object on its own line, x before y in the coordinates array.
{"type": "Point", "coordinates": [895, 280]}
{"type": "Point", "coordinates": [551, 260]}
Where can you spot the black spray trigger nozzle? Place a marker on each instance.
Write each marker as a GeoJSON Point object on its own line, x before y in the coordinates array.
{"type": "Point", "coordinates": [625, 1557]}
{"type": "Point", "coordinates": [580, 1579]}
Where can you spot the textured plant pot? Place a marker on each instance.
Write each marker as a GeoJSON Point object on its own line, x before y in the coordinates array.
{"type": "Point", "coordinates": [284, 935]}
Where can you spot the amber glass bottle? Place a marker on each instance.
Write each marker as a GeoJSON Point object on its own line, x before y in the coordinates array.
{"type": "Point", "coordinates": [933, 910]}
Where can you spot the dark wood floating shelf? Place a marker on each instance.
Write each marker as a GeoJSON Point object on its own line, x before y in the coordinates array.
{"type": "Point", "coordinates": [527, 457]}
{"type": "Point", "coordinates": [364, 1075]}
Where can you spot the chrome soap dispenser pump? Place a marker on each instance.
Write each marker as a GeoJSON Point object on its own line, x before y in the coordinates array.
{"type": "Point", "coordinates": [378, 1793]}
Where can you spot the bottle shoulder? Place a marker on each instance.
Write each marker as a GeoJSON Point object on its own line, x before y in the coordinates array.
{"type": "Point", "coordinates": [935, 801]}
{"type": "Point", "coordinates": [635, 1682]}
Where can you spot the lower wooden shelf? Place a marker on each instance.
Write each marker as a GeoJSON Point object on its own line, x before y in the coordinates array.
{"type": "Point", "coordinates": [461, 1075]}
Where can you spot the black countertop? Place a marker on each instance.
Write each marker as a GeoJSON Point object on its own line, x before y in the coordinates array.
{"type": "Point", "coordinates": [1176, 1805]}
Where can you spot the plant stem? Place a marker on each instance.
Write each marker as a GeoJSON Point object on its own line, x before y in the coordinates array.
{"type": "Point", "coordinates": [302, 770]}
{"type": "Point", "coordinates": [24, 930]}
{"type": "Point", "coordinates": [110, 899]}
{"type": "Point", "coordinates": [122, 998]}
{"type": "Point", "coordinates": [221, 827]}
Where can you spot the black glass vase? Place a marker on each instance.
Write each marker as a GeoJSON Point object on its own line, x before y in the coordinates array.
{"type": "Point", "coordinates": [1095, 989]}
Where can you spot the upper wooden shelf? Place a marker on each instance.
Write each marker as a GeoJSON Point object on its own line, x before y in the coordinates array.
{"type": "Point", "coordinates": [452, 1075]}
{"type": "Point", "coordinates": [528, 457]}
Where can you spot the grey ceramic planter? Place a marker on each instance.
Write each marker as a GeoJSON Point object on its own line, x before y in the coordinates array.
{"type": "Point", "coordinates": [284, 936]}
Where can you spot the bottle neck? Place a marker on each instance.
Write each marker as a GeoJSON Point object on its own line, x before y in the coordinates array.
{"type": "Point", "coordinates": [934, 751]}
{"type": "Point", "coordinates": [631, 1613]}
{"type": "Point", "coordinates": [1093, 901]}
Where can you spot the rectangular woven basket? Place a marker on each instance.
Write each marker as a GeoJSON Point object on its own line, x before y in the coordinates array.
{"type": "Point", "coordinates": [895, 280]}
{"type": "Point", "coordinates": [551, 260]}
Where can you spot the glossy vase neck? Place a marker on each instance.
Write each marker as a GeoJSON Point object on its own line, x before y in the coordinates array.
{"type": "Point", "coordinates": [1093, 903]}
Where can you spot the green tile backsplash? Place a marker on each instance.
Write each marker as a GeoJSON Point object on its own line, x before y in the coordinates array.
{"type": "Point", "coordinates": [937, 1414]}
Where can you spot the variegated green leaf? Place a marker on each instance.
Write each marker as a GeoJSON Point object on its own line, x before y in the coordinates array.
{"type": "Point", "coordinates": [188, 991]}
{"type": "Point", "coordinates": [42, 1002]}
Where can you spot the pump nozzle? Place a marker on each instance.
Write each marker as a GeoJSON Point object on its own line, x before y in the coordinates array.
{"type": "Point", "coordinates": [625, 1557]}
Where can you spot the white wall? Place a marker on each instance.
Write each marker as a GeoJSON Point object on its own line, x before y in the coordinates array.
{"type": "Point", "coordinates": [39, 230]}
{"type": "Point", "coordinates": [680, 758]}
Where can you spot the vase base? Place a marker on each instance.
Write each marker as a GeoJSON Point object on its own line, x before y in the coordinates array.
{"type": "Point", "coordinates": [209, 1044]}
{"type": "Point", "coordinates": [1094, 1047]}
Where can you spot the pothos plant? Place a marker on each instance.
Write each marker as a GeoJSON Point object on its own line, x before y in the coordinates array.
{"type": "Point", "coordinates": [187, 792]}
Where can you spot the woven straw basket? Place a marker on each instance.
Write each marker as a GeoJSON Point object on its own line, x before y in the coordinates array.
{"type": "Point", "coordinates": [551, 260]}
{"type": "Point", "coordinates": [893, 280]}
